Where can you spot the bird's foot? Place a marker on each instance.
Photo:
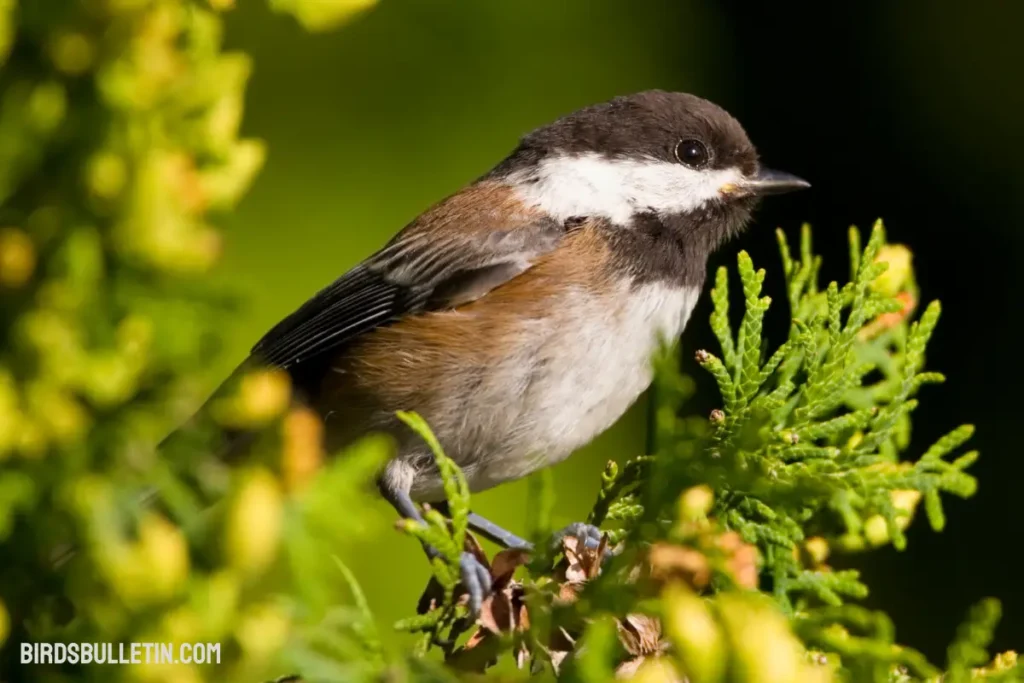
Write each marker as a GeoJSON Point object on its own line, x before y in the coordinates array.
{"type": "Point", "coordinates": [476, 581]}
{"type": "Point", "coordinates": [589, 534]}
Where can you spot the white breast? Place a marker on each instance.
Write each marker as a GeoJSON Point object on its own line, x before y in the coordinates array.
{"type": "Point", "coordinates": [574, 390]}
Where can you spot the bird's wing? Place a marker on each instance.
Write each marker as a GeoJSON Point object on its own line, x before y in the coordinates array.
{"type": "Point", "coordinates": [451, 255]}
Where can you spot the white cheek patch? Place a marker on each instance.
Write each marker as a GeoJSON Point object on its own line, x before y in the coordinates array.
{"type": "Point", "coordinates": [616, 189]}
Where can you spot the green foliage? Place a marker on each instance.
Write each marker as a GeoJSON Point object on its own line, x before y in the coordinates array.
{"type": "Point", "coordinates": [119, 148]}
{"type": "Point", "coordinates": [316, 15]}
{"type": "Point", "coordinates": [808, 455]}
{"type": "Point", "coordinates": [805, 439]}
{"type": "Point", "coordinates": [447, 535]}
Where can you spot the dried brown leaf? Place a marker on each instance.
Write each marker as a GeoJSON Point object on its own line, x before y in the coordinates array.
{"type": "Point", "coordinates": [640, 634]}
{"type": "Point", "coordinates": [742, 559]}
{"type": "Point", "coordinates": [505, 563]}
{"type": "Point", "coordinates": [582, 563]}
{"type": "Point", "coordinates": [670, 561]}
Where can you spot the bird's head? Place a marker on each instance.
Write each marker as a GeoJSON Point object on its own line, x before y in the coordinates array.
{"type": "Point", "coordinates": [672, 155]}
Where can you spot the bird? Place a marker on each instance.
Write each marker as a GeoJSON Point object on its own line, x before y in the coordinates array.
{"type": "Point", "coordinates": [518, 316]}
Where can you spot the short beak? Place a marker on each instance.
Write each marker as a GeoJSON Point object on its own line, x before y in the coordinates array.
{"type": "Point", "coordinates": [767, 181]}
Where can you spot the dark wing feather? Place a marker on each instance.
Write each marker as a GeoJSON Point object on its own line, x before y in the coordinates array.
{"type": "Point", "coordinates": [417, 271]}
{"type": "Point", "coordinates": [356, 302]}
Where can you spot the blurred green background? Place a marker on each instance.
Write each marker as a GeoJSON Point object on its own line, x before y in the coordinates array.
{"type": "Point", "coordinates": [909, 111]}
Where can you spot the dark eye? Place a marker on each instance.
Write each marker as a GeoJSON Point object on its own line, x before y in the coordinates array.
{"type": "Point", "coordinates": [692, 153]}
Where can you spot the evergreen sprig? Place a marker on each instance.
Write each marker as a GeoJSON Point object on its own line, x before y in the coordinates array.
{"type": "Point", "coordinates": [443, 618]}
{"type": "Point", "coordinates": [805, 441]}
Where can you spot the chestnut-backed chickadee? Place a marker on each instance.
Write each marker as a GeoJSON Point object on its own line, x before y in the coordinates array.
{"type": "Point", "coordinates": [519, 315]}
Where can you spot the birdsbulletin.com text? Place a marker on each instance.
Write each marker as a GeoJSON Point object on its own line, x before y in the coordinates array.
{"type": "Point", "coordinates": [120, 653]}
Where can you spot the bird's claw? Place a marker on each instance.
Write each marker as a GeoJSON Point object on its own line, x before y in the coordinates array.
{"type": "Point", "coordinates": [588, 533]}
{"type": "Point", "coordinates": [476, 581]}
